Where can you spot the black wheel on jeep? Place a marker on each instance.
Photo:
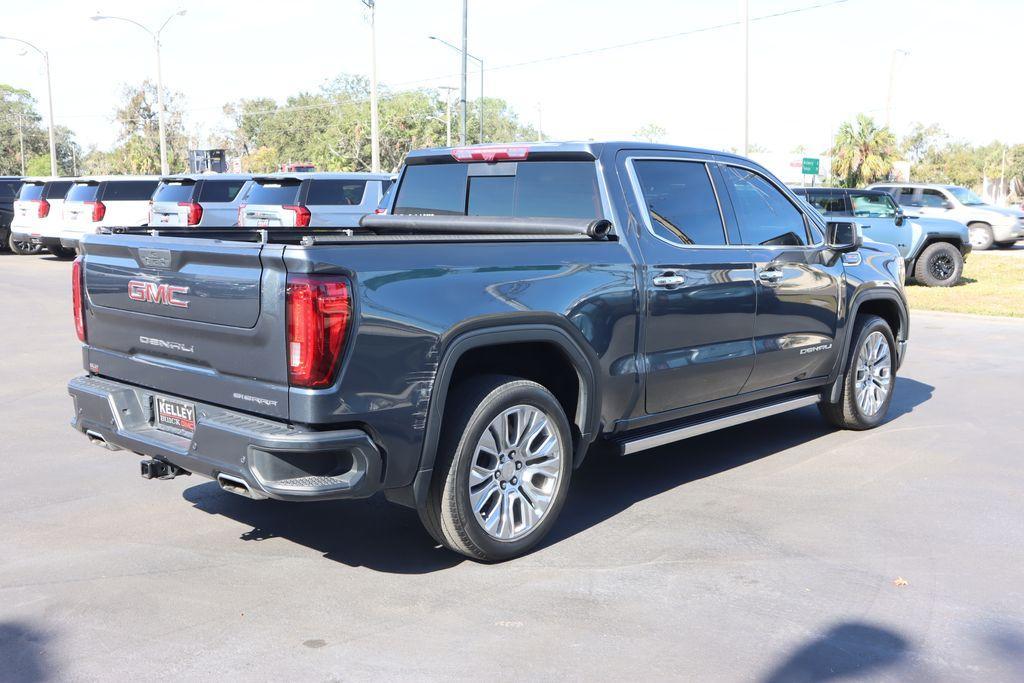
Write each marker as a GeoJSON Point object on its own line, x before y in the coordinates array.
{"type": "Point", "coordinates": [23, 248]}
{"type": "Point", "coordinates": [502, 471]}
{"type": "Point", "coordinates": [869, 377]}
{"type": "Point", "coordinates": [63, 253]}
{"type": "Point", "coordinates": [940, 265]}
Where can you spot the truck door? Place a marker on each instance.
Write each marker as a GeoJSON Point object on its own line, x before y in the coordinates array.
{"type": "Point", "coordinates": [798, 281]}
{"type": "Point", "coordinates": [698, 289]}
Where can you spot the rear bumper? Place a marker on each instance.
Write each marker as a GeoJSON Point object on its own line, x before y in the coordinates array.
{"type": "Point", "coordinates": [274, 459]}
{"type": "Point", "coordinates": [35, 238]}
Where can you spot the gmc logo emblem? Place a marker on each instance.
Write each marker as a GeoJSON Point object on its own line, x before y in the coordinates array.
{"type": "Point", "coordinates": [153, 293]}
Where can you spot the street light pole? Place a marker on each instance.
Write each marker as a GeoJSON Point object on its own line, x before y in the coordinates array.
{"type": "Point", "coordinates": [374, 122]}
{"type": "Point", "coordinates": [159, 79]}
{"type": "Point", "coordinates": [746, 77]}
{"type": "Point", "coordinates": [481, 63]}
{"type": "Point", "coordinates": [49, 97]}
{"type": "Point", "coordinates": [462, 113]}
{"type": "Point", "coordinates": [892, 80]}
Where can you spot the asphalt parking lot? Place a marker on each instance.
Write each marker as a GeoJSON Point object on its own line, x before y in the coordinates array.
{"type": "Point", "coordinates": [778, 551]}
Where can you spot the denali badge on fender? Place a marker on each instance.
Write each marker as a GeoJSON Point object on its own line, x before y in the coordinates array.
{"type": "Point", "coordinates": [151, 292]}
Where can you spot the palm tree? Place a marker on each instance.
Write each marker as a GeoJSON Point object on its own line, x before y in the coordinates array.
{"type": "Point", "coordinates": [863, 152]}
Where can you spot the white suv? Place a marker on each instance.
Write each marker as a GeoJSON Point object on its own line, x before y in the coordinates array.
{"type": "Point", "coordinates": [38, 209]}
{"type": "Point", "coordinates": [988, 225]}
{"type": "Point", "coordinates": [312, 200]}
{"type": "Point", "coordinates": [105, 201]}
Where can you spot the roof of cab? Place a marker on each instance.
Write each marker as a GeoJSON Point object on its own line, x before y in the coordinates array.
{"type": "Point", "coordinates": [568, 149]}
{"type": "Point", "coordinates": [319, 175]}
{"type": "Point", "coordinates": [111, 178]}
{"type": "Point", "coordinates": [47, 179]}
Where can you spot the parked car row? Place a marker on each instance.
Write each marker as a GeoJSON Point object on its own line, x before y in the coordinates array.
{"type": "Point", "coordinates": [54, 213]}
{"type": "Point", "coordinates": [934, 227]}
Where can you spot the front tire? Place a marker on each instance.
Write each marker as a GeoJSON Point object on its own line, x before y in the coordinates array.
{"type": "Point", "coordinates": [503, 467]}
{"type": "Point", "coordinates": [869, 379]}
{"type": "Point", "coordinates": [940, 265]}
{"type": "Point", "coordinates": [981, 236]}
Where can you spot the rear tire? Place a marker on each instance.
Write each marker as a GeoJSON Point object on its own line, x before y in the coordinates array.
{"type": "Point", "coordinates": [981, 236]}
{"type": "Point", "coordinates": [63, 253]}
{"type": "Point", "coordinates": [940, 265]}
{"type": "Point", "coordinates": [871, 363]}
{"type": "Point", "coordinates": [23, 248]}
{"type": "Point", "coordinates": [502, 471]}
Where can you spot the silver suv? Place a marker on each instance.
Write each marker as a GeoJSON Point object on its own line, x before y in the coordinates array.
{"type": "Point", "coordinates": [198, 201]}
{"type": "Point", "coordinates": [312, 200]}
{"type": "Point", "coordinates": [988, 225]}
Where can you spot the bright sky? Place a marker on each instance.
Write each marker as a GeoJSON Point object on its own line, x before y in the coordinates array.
{"type": "Point", "coordinates": [809, 70]}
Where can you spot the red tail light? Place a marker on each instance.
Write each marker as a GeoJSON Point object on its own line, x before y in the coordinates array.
{"type": "Point", "coordinates": [44, 208]}
{"type": "Point", "coordinates": [491, 153]}
{"type": "Point", "coordinates": [318, 313]}
{"type": "Point", "coordinates": [379, 211]}
{"type": "Point", "coordinates": [302, 215]}
{"type": "Point", "coordinates": [77, 299]}
{"type": "Point", "coordinates": [195, 212]}
{"type": "Point", "coordinates": [99, 210]}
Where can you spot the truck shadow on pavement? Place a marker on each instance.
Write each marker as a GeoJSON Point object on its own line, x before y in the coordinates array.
{"type": "Point", "coordinates": [845, 650]}
{"type": "Point", "coordinates": [389, 538]}
{"type": "Point", "coordinates": [22, 653]}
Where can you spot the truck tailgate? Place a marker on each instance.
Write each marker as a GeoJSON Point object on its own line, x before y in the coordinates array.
{"type": "Point", "coordinates": [196, 318]}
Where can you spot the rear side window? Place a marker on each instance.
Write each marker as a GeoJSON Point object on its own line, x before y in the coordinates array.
{"type": "Point", "coordinates": [57, 189]}
{"type": "Point", "coordinates": [765, 216]}
{"type": "Point", "coordinates": [549, 189]}
{"type": "Point", "coordinates": [827, 203]}
{"type": "Point", "coordinates": [905, 196]}
{"type": "Point", "coordinates": [82, 193]}
{"type": "Point", "coordinates": [225, 191]}
{"type": "Point", "coordinates": [680, 201]}
{"type": "Point", "coordinates": [128, 190]}
{"type": "Point", "coordinates": [335, 192]}
{"type": "Point", "coordinates": [174, 192]}
{"type": "Point", "coordinates": [30, 191]}
{"type": "Point", "coordinates": [9, 189]}
{"type": "Point", "coordinates": [279, 193]}
{"type": "Point", "coordinates": [933, 199]}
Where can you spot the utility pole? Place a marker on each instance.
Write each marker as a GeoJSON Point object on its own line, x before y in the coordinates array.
{"type": "Point", "coordinates": [49, 97]}
{"type": "Point", "coordinates": [746, 77]}
{"type": "Point", "coordinates": [448, 113]}
{"type": "Point", "coordinates": [374, 122]}
{"type": "Point", "coordinates": [892, 80]}
{"type": "Point", "coordinates": [21, 135]}
{"type": "Point", "coordinates": [155, 35]}
{"type": "Point", "coordinates": [481, 63]}
{"type": "Point", "coordinates": [540, 121]}
{"type": "Point", "coordinates": [74, 160]}
{"type": "Point", "coordinates": [1002, 180]}
{"type": "Point", "coordinates": [462, 96]}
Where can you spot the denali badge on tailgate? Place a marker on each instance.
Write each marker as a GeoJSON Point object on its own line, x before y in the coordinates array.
{"type": "Point", "coordinates": [151, 292]}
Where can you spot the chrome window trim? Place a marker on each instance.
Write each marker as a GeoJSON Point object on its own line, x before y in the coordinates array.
{"type": "Point", "coordinates": [641, 202]}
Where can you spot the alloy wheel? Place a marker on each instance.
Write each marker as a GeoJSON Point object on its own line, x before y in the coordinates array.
{"type": "Point", "coordinates": [874, 374]}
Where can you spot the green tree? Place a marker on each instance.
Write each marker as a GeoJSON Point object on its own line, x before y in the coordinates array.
{"type": "Point", "coordinates": [863, 152]}
{"type": "Point", "coordinates": [651, 132]}
{"type": "Point", "coordinates": [138, 144]}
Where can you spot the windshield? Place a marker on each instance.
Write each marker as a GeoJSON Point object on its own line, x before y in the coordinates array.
{"type": "Point", "coordinates": [279, 193]}
{"type": "Point", "coordinates": [82, 193]}
{"type": "Point", "coordinates": [965, 196]}
{"type": "Point", "coordinates": [30, 191]}
{"type": "Point", "coordinates": [873, 205]}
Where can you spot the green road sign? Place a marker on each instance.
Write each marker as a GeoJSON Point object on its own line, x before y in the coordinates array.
{"type": "Point", "coordinates": [810, 166]}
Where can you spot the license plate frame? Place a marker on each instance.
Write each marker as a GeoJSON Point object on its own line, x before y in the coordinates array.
{"type": "Point", "coordinates": [174, 416]}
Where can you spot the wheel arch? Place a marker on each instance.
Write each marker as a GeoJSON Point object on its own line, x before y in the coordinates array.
{"type": "Point", "coordinates": [883, 302]}
{"type": "Point", "coordinates": [551, 334]}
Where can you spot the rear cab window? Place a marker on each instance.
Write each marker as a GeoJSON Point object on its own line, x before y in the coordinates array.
{"type": "Point", "coordinates": [274, 192]}
{"type": "Point", "coordinates": [527, 189]}
{"type": "Point", "coordinates": [128, 190]}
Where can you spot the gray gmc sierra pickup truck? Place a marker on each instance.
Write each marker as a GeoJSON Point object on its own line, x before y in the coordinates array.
{"type": "Point", "coordinates": [512, 307]}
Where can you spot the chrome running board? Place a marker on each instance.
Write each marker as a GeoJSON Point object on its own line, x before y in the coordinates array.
{"type": "Point", "coordinates": [654, 440]}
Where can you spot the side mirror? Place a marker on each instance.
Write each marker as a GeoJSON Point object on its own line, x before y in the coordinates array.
{"type": "Point", "coordinates": [843, 236]}
{"type": "Point", "coordinates": [900, 217]}
{"type": "Point", "coordinates": [947, 205]}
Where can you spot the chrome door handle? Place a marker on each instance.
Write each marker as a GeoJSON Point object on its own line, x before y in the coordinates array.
{"type": "Point", "coordinates": [668, 280]}
{"type": "Point", "coordinates": [770, 275]}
